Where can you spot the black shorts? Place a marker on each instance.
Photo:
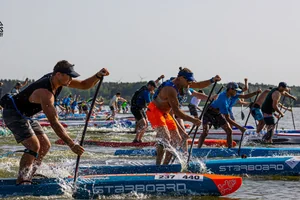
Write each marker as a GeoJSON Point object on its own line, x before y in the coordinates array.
{"type": "Point", "coordinates": [269, 120]}
{"type": "Point", "coordinates": [138, 113]}
{"type": "Point", "coordinates": [213, 118]}
{"type": "Point", "coordinates": [21, 128]}
{"type": "Point", "coordinates": [112, 108]}
{"type": "Point", "coordinates": [193, 110]}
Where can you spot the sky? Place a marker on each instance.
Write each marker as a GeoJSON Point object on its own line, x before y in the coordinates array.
{"type": "Point", "coordinates": [138, 40]}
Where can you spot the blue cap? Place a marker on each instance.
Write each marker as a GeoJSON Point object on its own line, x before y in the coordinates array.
{"type": "Point", "coordinates": [282, 84]}
{"type": "Point", "coordinates": [233, 85]}
{"type": "Point", "coordinates": [188, 75]}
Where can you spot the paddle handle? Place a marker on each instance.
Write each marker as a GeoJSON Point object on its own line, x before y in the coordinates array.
{"type": "Point", "coordinates": [85, 127]}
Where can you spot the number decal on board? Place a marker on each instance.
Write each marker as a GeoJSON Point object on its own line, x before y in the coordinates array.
{"type": "Point", "coordinates": [190, 177]}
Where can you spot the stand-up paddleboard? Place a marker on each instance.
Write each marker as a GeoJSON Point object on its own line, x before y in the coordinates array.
{"type": "Point", "coordinates": [156, 184]}
{"type": "Point", "coordinates": [217, 152]}
{"type": "Point", "coordinates": [288, 166]}
{"type": "Point", "coordinates": [207, 142]}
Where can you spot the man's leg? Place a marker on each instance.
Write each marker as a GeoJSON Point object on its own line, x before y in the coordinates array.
{"type": "Point", "coordinates": [203, 135]}
{"type": "Point", "coordinates": [260, 126]}
{"type": "Point", "coordinates": [141, 127]}
{"type": "Point", "coordinates": [28, 159]}
{"type": "Point", "coordinates": [163, 140]}
{"type": "Point", "coordinates": [227, 128]}
{"type": "Point", "coordinates": [44, 148]}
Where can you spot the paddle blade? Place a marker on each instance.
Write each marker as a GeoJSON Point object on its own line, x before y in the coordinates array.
{"type": "Point", "coordinates": [242, 115]}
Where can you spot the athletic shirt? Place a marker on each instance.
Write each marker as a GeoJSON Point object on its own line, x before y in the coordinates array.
{"type": "Point", "coordinates": [222, 103]}
{"type": "Point", "coordinates": [234, 99]}
{"type": "Point", "coordinates": [195, 101]}
{"type": "Point", "coordinates": [164, 84]}
{"type": "Point", "coordinates": [141, 98]}
{"type": "Point", "coordinates": [68, 101]}
{"type": "Point", "coordinates": [113, 100]}
{"type": "Point", "coordinates": [22, 99]}
{"type": "Point", "coordinates": [267, 106]}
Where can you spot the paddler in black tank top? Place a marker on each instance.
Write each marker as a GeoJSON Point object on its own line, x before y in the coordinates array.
{"type": "Point", "coordinates": [270, 106]}
{"type": "Point", "coordinates": [40, 96]}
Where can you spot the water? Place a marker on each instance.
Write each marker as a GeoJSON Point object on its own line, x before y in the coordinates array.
{"type": "Point", "coordinates": [60, 162]}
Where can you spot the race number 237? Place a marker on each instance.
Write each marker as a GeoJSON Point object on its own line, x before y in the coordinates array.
{"type": "Point", "coordinates": [165, 176]}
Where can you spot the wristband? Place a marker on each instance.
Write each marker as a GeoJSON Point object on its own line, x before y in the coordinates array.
{"type": "Point", "coordinates": [212, 80]}
{"type": "Point", "coordinates": [73, 146]}
{"type": "Point", "coordinates": [98, 76]}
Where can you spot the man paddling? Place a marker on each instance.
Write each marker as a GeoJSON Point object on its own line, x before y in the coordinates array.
{"type": "Point", "coordinates": [270, 106]}
{"type": "Point", "coordinates": [113, 105]}
{"type": "Point", "coordinates": [139, 102]}
{"type": "Point", "coordinates": [218, 114]}
{"type": "Point", "coordinates": [158, 112]}
{"type": "Point", "coordinates": [40, 96]}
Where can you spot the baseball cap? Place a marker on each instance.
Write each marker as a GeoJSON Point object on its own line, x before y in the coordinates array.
{"type": "Point", "coordinates": [65, 67]}
{"type": "Point", "coordinates": [152, 83]}
{"type": "Point", "coordinates": [188, 75]}
{"type": "Point", "coordinates": [282, 84]}
{"type": "Point", "coordinates": [233, 85]}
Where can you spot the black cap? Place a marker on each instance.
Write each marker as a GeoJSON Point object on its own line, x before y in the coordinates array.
{"type": "Point", "coordinates": [66, 68]}
{"type": "Point", "coordinates": [282, 84]}
{"type": "Point", "coordinates": [152, 83]}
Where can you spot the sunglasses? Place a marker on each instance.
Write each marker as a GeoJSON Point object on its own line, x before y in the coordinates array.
{"type": "Point", "coordinates": [187, 79]}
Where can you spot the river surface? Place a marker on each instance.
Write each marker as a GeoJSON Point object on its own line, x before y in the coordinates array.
{"type": "Point", "coordinates": [60, 162]}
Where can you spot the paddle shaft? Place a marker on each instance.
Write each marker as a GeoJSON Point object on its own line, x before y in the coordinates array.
{"type": "Point", "coordinates": [291, 102]}
{"type": "Point", "coordinates": [200, 117]}
{"type": "Point", "coordinates": [85, 127]}
{"type": "Point", "coordinates": [292, 115]}
{"type": "Point", "coordinates": [242, 136]}
{"type": "Point", "coordinates": [280, 110]}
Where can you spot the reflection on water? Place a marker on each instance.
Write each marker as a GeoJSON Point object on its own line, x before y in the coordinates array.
{"type": "Point", "coordinates": [60, 163]}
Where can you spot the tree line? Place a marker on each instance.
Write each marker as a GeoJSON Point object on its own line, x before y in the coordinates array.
{"type": "Point", "coordinates": [108, 89]}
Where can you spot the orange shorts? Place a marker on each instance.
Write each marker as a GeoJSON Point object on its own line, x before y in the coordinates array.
{"type": "Point", "coordinates": [159, 119]}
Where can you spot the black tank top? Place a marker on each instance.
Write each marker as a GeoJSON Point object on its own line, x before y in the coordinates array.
{"type": "Point", "coordinates": [267, 106]}
{"type": "Point", "coordinates": [22, 99]}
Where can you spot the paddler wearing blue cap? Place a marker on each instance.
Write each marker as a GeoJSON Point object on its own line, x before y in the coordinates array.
{"type": "Point", "coordinates": [271, 105]}
{"type": "Point", "coordinates": [158, 112]}
{"type": "Point", "coordinates": [138, 104]}
{"type": "Point", "coordinates": [40, 96]}
{"type": "Point", "coordinates": [218, 114]}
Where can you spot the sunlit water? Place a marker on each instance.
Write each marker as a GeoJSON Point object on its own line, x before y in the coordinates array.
{"type": "Point", "coordinates": [60, 162]}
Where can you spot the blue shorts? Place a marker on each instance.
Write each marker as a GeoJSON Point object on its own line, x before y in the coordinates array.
{"type": "Point", "coordinates": [257, 114]}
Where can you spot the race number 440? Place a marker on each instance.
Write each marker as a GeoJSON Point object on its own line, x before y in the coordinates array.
{"type": "Point", "coordinates": [191, 177]}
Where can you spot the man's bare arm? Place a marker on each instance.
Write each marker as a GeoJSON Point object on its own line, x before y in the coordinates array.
{"type": "Point", "coordinates": [173, 102]}
{"type": "Point", "coordinates": [89, 82]}
{"type": "Point", "coordinates": [204, 84]}
{"type": "Point", "coordinates": [276, 98]}
{"type": "Point", "coordinates": [232, 122]}
{"type": "Point", "coordinates": [247, 96]}
{"type": "Point", "coordinates": [47, 100]}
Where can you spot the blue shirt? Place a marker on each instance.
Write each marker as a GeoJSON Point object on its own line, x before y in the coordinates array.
{"type": "Point", "coordinates": [68, 101]}
{"type": "Point", "coordinates": [222, 103]}
{"type": "Point", "coordinates": [234, 99]}
{"type": "Point", "coordinates": [143, 97]}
